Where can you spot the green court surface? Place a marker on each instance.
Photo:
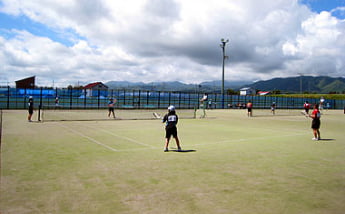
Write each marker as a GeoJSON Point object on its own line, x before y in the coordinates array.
{"type": "Point", "coordinates": [230, 163]}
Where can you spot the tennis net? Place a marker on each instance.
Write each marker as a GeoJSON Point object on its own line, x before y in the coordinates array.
{"type": "Point", "coordinates": [53, 113]}
{"type": "Point", "coordinates": [276, 112]}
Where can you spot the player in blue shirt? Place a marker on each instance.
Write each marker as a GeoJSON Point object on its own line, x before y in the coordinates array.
{"type": "Point", "coordinates": [111, 105]}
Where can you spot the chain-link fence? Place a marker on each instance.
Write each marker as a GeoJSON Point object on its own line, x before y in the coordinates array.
{"type": "Point", "coordinates": [14, 98]}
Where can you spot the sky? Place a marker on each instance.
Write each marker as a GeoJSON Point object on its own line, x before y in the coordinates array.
{"type": "Point", "coordinates": [76, 42]}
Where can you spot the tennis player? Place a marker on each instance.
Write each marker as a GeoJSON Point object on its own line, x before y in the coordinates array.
{"type": "Point", "coordinates": [306, 107]}
{"type": "Point", "coordinates": [322, 101]}
{"type": "Point", "coordinates": [315, 124]}
{"type": "Point", "coordinates": [250, 108]}
{"type": "Point", "coordinates": [111, 105]}
{"type": "Point", "coordinates": [273, 108]}
{"type": "Point", "coordinates": [31, 108]}
{"type": "Point", "coordinates": [170, 120]}
{"type": "Point", "coordinates": [204, 102]}
{"type": "Point", "coordinates": [56, 101]}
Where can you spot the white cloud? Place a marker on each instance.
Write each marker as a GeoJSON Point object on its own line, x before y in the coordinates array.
{"type": "Point", "coordinates": [167, 40]}
{"type": "Point", "coordinates": [319, 46]}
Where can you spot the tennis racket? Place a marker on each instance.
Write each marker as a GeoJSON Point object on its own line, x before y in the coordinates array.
{"type": "Point", "coordinates": [156, 115]}
{"type": "Point", "coordinates": [305, 113]}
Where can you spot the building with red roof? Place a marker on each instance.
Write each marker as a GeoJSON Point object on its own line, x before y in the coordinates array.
{"type": "Point", "coordinates": [96, 89]}
{"type": "Point", "coordinates": [26, 83]}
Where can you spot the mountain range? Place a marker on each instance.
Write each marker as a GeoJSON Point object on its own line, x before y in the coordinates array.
{"type": "Point", "coordinates": [304, 84]}
{"type": "Point", "coordinates": [212, 86]}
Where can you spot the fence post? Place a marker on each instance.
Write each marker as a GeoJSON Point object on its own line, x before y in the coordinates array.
{"type": "Point", "coordinates": [139, 97]}
{"type": "Point", "coordinates": [84, 97]}
{"type": "Point", "coordinates": [147, 98]}
{"type": "Point", "coordinates": [169, 98]}
{"type": "Point", "coordinates": [70, 98]}
{"type": "Point", "coordinates": [189, 100]}
{"type": "Point", "coordinates": [159, 99]}
{"type": "Point", "coordinates": [24, 104]}
{"type": "Point", "coordinates": [98, 97]}
{"type": "Point", "coordinates": [8, 97]}
{"type": "Point", "coordinates": [41, 96]}
{"type": "Point", "coordinates": [124, 97]}
{"type": "Point", "coordinates": [133, 98]}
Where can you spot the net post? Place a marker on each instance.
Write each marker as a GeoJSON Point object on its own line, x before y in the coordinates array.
{"type": "Point", "coordinates": [39, 112]}
{"type": "Point", "coordinates": [41, 102]}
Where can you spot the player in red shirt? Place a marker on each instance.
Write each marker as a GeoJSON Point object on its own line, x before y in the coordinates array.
{"type": "Point", "coordinates": [315, 124]}
{"type": "Point", "coordinates": [306, 107]}
{"type": "Point", "coordinates": [250, 108]}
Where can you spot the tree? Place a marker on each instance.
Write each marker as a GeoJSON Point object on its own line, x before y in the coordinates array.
{"type": "Point", "coordinates": [232, 92]}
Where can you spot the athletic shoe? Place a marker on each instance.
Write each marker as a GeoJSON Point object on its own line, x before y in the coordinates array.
{"type": "Point", "coordinates": [314, 138]}
{"type": "Point", "coordinates": [166, 150]}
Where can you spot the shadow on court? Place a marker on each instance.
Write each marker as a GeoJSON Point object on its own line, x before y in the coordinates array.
{"type": "Point", "coordinates": [326, 139]}
{"type": "Point", "coordinates": [182, 150]}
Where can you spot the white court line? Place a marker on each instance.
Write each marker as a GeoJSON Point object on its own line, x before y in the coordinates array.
{"type": "Point", "coordinates": [152, 147]}
{"type": "Point", "coordinates": [219, 142]}
{"type": "Point", "coordinates": [247, 139]}
{"type": "Point", "coordinates": [89, 138]}
{"type": "Point", "coordinates": [119, 136]}
{"type": "Point", "coordinates": [127, 138]}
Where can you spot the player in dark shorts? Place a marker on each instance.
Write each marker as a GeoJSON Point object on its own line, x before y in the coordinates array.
{"type": "Point", "coordinates": [170, 121]}
{"type": "Point", "coordinates": [111, 105]}
{"type": "Point", "coordinates": [315, 124]}
{"type": "Point", "coordinates": [31, 108]}
{"type": "Point", "coordinates": [250, 108]}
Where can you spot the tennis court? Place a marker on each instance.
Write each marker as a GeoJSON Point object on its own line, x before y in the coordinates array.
{"type": "Point", "coordinates": [230, 163]}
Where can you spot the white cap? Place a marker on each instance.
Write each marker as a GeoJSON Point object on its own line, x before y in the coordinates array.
{"type": "Point", "coordinates": [171, 108]}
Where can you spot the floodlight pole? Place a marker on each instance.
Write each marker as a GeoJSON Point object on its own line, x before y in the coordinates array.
{"type": "Point", "coordinates": [222, 45]}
